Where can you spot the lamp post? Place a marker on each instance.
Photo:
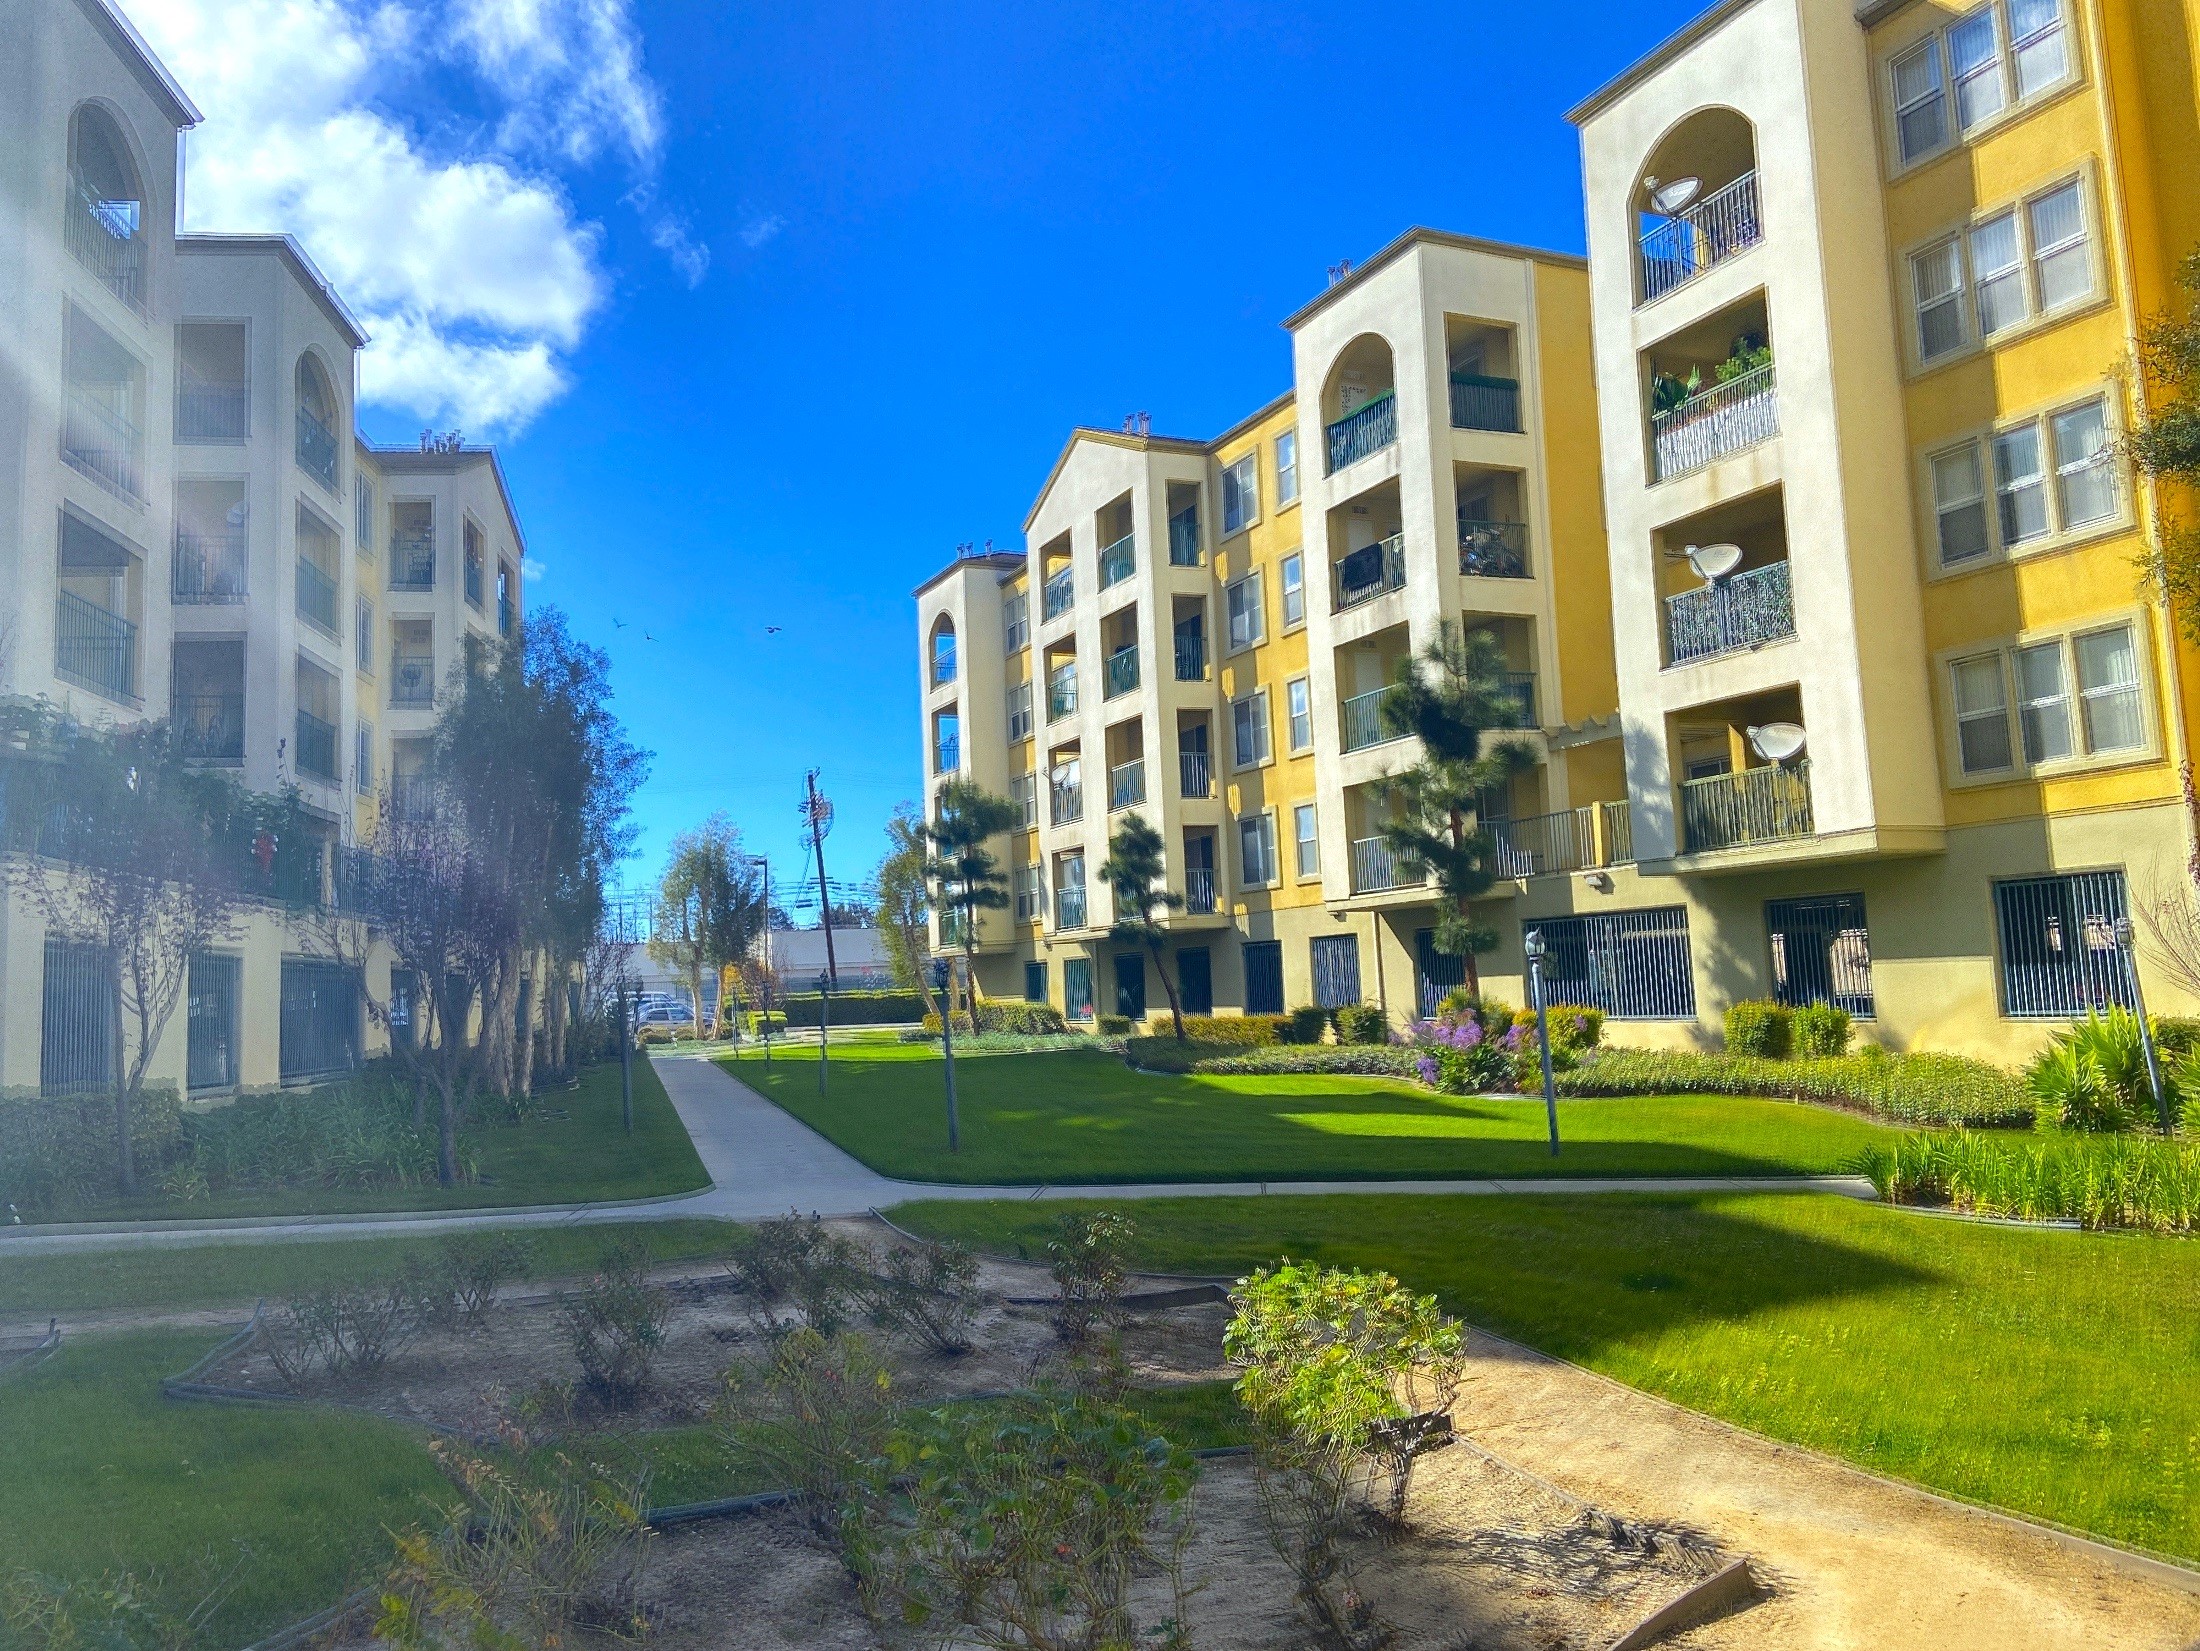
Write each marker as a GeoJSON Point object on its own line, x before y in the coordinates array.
{"type": "Point", "coordinates": [1536, 950]}
{"type": "Point", "coordinates": [940, 968]}
{"type": "Point", "coordinates": [2125, 938]}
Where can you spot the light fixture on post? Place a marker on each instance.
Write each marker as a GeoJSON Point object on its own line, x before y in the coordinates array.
{"type": "Point", "coordinates": [1537, 950]}
{"type": "Point", "coordinates": [1778, 742]}
{"type": "Point", "coordinates": [940, 969]}
{"type": "Point", "coordinates": [2126, 947]}
{"type": "Point", "coordinates": [1713, 562]}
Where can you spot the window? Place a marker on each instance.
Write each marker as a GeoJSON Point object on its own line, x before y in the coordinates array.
{"type": "Point", "coordinates": [1973, 55]}
{"type": "Point", "coordinates": [1195, 980]}
{"type": "Point", "coordinates": [2108, 687]}
{"type": "Point", "coordinates": [1077, 988]}
{"type": "Point", "coordinates": [362, 758]}
{"type": "Point", "coordinates": [1959, 499]}
{"type": "Point", "coordinates": [946, 742]}
{"type": "Point", "coordinates": [1130, 985]}
{"type": "Point", "coordinates": [1249, 728]}
{"type": "Point", "coordinates": [1241, 494]}
{"type": "Point", "coordinates": [363, 637]}
{"type": "Point", "coordinates": [1257, 851]}
{"type": "Point", "coordinates": [1937, 274]}
{"type": "Point", "coordinates": [1015, 622]}
{"type": "Point", "coordinates": [1023, 791]}
{"type": "Point", "coordinates": [2019, 489]}
{"type": "Point", "coordinates": [78, 1012]}
{"type": "Point", "coordinates": [2043, 702]}
{"type": "Point", "coordinates": [1634, 965]}
{"type": "Point", "coordinates": [2036, 39]}
{"type": "Point", "coordinates": [1298, 699]}
{"type": "Point", "coordinates": [317, 1025]}
{"type": "Point", "coordinates": [362, 509]}
{"type": "Point", "coordinates": [1920, 101]}
{"type": "Point", "coordinates": [2084, 494]}
{"type": "Point", "coordinates": [943, 655]}
{"type": "Point", "coordinates": [2085, 487]}
{"type": "Point", "coordinates": [2020, 263]}
{"type": "Point", "coordinates": [2061, 264]}
{"type": "Point", "coordinates": [1335, 960]}
{"type": "Point", "coordinates": [210, 1022]}
{"type": "Point", "coordinates": [1291, 573]}
{"type": "Point", "coordinates": [2004, 53]}
{"type": "Point", "coordinates": [2058, 945]}
{"type": "Point", "coordinates": [1287, 467]}
{"type": "Point", "coordinates": [1263, 977]}
{"type": "Point", "coordinates": [1019, 711]}
{"type": "Point", "coordinates": [1246, 622]}
{"type": "Point", "coordinates": [1821, 952]}
{"type": "Point", "coordinates": [1030, 897]}
{"type": "Point", "coordinates": [1982, 715]}
{"type": "Point", "coordinates": [1304, 839]}
{"type": "Point", "coordinates": [1035, 981]}
{"type": "Point", "coordinates": [1997, 268]}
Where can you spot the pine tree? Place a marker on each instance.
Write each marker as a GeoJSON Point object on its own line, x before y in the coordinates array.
{"type": "Point", "coordinates": [2166, 443]}
{"type": "Point", "coordinates": [1134, 872]}
{"type": "Point", "coordinates": [963, 870]}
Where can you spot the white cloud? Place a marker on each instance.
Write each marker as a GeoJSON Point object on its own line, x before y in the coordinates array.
{"type": "Point", "coordinates": [532, 568]}
{"type": "Point", "coordinates": [757, 231]}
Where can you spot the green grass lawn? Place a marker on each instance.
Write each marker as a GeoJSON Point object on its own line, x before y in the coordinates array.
{"type": "Point", "coordinates": [2047, 1372]}
{"type": "Point", "coordinates": [1075, 1117]}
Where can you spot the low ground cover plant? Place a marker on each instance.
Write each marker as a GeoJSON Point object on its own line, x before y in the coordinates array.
{"type": "Point", "coordinates": [1914, 1088]}
{"type": "Point", "coordinates": [815, 1411]}
{"type": "Point", "coordinates": [2111, 1181]}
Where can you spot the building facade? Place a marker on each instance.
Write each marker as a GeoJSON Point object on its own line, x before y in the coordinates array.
{"type": "Point", "coordinates": [1800, 514]}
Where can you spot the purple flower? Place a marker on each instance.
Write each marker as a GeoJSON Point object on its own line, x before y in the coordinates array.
{"type": "Point", "coordinates": [1426, 1067]}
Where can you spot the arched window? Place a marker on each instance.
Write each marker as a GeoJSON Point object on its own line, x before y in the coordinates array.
{"type": "Point", "coordinates": [1359, 402]}
{"type": "Point", "coordinates": [105, 227]}
{"type": "Point", "coordinates": [943, 652]}
{"type": "Point", "coordinates": [1697, 202]}
{"type": "Point", "coordinates": [316, 422]}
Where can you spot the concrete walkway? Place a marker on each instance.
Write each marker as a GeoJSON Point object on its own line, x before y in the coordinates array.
{"type": "Point", "coordinates": [764, 1162]}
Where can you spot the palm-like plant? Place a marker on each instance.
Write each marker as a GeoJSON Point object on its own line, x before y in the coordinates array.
{"type": "Point", "coordinates": [1135, 872]}
{"type": "Point", "coordinates": [962, 869]}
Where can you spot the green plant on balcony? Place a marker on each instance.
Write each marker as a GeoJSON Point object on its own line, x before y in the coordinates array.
{"type": "Point", "coordinates": [1668, 392]}
{"type": "Point", "coordinates": [1746, 355]}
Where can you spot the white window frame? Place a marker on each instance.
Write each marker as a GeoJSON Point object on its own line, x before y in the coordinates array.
{"type": "Point", "coordinates": [1256, 703]}
{"type": "Point", "coordinates": [1306, 837]}
{"type": "Point", "coordinates": [2074, 705]}
{"type": "Point", "coordinates": [2055, 474]}
{"type": "Point", "coordinates": [1298, 712]}
{"type": "Point", "coordinates": [2018, 283]}
{"type": "Point", "coordinates": [1263, 826]}
{"type": "Point", "coordinates": [1287, 468]}
{"type": "Point", "coordinates": [2085, 697]}
{"type": "Point", "coordinates": [1257, 609]}
{"type": "Point", "coordinates": [2003, 66]}
{"type": "Point", "coordinates": [1027, 716]}
{"type": "Point", "coordinates": [1016, 623]}
{"type": "Point", "coordinates": [1240, 484]}
{"type": "Point", "coordinates": [1291, 578]}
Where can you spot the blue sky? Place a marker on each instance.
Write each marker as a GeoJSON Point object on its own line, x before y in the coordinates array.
{"type": "Point", "coordinates": [828, 283]}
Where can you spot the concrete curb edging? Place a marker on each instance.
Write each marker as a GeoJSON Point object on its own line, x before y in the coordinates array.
{"type": "Point", "coordinates": [35, 1354]}
{"type": "Point", "coordinates": [1721, 1588]}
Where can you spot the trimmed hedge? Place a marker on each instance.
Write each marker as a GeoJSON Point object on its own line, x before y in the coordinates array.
{"type": "Point", "coordinates": [59, 1150]}
{"type": "Point", "coordinates": [1244, 1030]}
{"type": "Point", "coordinates": [856, 1008]}
{"type": "Point", "coordinates": [1821, 1031]}
{"type": "Point", "coordinates": [1113, 1026]}
{"type": "Point", "coordinates": [1362, 1023]}
{"type": "Point", "coordinates": [1913, 1089]}
{"type": "Point", "coordinates": [1366, 1060]}
{"type": "Point", "coordinates": [1305, 1024]}
{"type": "Point", "coordinates": [1756, 1026]}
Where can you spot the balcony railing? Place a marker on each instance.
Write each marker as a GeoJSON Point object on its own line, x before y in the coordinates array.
{"type": "Point", "coordinates": [213, 412]}
{"type": "Point", "coordinates": [1519, 687]}
{"type": "Point", "coordinates": [1062, 694]}
{"type": "Point", "coordinates": [412, 796]}
{"type": "Point", "coordinates": [95, 647]}
{"type": "Point", "coordinates": [209, 567]}
{"type": "Point", "coordinates": [1479, 403]}
{"type": "Point", "coordinates": [1069, 906]}
{"type": "Point", "coordinates": [1191, 656]}
{"type": "Point", "coordinates": [473, 581]}
{"type": "Point", "coordinates": [1119, 561]}
{"type": "Point", "coordinates": [1199, 889]}
{"type": "Point", "coordinates": [1676, 250]}
{"type": "Point", "coordinates": [1194, 774]}
{"type": "Point", "coordinates": [210, 727]}
{"type": "Point", "coordinates": [1362, 721]}
{"type": "Point", "coordinates": [1374, 867]}
{"type": "Point", "coordinates": [1494, 550]}
{"type": "Point", "coordinates": [1618, 822]}
{"type": "Point", "coordinates": [412, 679]}
{"type": "Point", "coordinates": [1713, 423]}
{"type": "Point", "coordinates": [316, 597]}
{"type": "Point", "coordinates": [100, 441]}
{"type": "Point", "coordinates": [1745, 611]}
{"type": "Point", "coordinates": [1184, 538]}
{"type": "Point", "coordinates": [412, 561]}
{"type": "Point", "coordinates": [1367, 573]}
{"type": "Point", "coordinates": [1369, 430]}
{"type": "Point", "coordinates": [947, 754]}
{"type": "Point", "coordinates": [1066, 802]}
{"type": "Point", "coordinates": [1758, 805]}
{"type": "Point", "coordinates": [1574, 839]}
{"type": "Point", "coordinates": [1127, 784]}
{"type": "Point", "coordinates": [316, 747]}
{"type": "Point", "coordinates": [1121, 674]}
{"type": "Point", "coordinates": [316, 449]}
{"type": "Point", "coordinates": [104, 237]}
{"type": "Point", "coordinates": [1059, 595]}
{"type": "Point", "coordinates": [506, 615]}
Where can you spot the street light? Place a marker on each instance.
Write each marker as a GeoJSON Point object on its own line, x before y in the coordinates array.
{"type": "Point", "coordinates": [2125, 938]}
{"type": "Point", "coordinates": [1537, 950]}
{"type": "Point", "coordinates": [940, 968]}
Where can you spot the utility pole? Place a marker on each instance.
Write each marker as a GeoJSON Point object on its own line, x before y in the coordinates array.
{"type": "Point", "coordinates": [817, 816]}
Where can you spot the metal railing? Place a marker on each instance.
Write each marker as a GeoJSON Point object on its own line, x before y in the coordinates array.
{"type": "Point", "coordinates": [412, 561]}
{"type": "Point", "coordinates": [1541, 843]}
{"type": "Point", "coordinates": [1757, 805]}
{"type": "Point", "coordinates": [94, 647]}
{"type": "Point", "coordinates": [1519, 686]}
{"type": "Point", "coordinates": [316, 597]}
{"type": "Point", "coordinates": [316, 449]}
{"type": "Point", "coordinates": [1374, 866]}
{"type": "Point", "coordinates": [1191, 656]}
{"type": "Point", "coordinates": [103, 236]}
{"type": "Point", "coordinates": [1368, 430]}
{"type": "Point", "coordinates": [1119, 560]}
{"type": "Point", "coordinates": [1199, 889]}
{"type": "Point", "coordinates": [210, 727]}
{"type": "Point", "coordinates": [1058, 595]}
{"type": "Point", "coordinates": [1184, 538]}
{"type": "Point", "coordinates": [1712, 423]}
{"type": "Point", "coordinates": [1480, 403]}
{"type": "Point", "coordinates": [1062, 693]}
{"type": "Point", "coordinates": [1677, 249]}
{"type": "Point", "coordinates": [1127, 784]}
{"type": "Point", "coordinates": [99, 440]}
{"type": "Point", "coordinates": [79, 1011]}
{"type": "Point", "coordinates": [1634, 965]}
{"type": "Point", "coordinates": [1367, 573]}
{"type": "Point", "coordinates": [412, 796]}
{"type": "Point", "coordinates": [473, 580]}
{"type": "Point", "coordinates": [412, 679]}
{"type": "Point", "coordinates": [1494, 550]}
{"type": "Point", "coordinates": [1121, 673]}
{"type": "Point", "coordinates": [2059, 956]}
{"type": "Point", "coordinates": [1069, 906]}
{"type": "Point", "coordinates": [1619, 833]}
{"type": "Point", "coordinates": [1362, 721]}
{"type": "Point", "coordinates": [1065, 802]}
{"type": "Point", "coordinates": [947, 754]}
{"type": "Point", "coordinates": [1744, 611]}
{"type": "Point", "coordinates": [209, 567]}
{"type": "Point", "coordinates": [318, 1020]}
{"type": "Point", "coordinates": [316, 746]}
{"type": "Point", "coordinates": [213, 412]}
{"type": "Point", "coordinates": [1194, 774]}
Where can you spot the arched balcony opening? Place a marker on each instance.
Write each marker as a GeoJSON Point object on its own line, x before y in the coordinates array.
{"type": "Point", "coordinates": [943, 651]}
{"type": "Point", "coordinates": [105, 226]}
{"type": "Point", "coordinates": [316, 421]}
{"type": "Point", "coordinates": [1360, 402]}
{"type": "Point", "coordinates": [1697, 203]}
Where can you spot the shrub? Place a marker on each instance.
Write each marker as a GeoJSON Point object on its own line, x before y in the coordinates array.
{"type": "Point", "coordinates": [352, 1326]}
{"type": "Point", "coordinates": [1113, 1026]}
{"type": "Point", "coordinates": [1238, 1029]}
{"type": "Point", "coordinates": [1020, 1018]}
{"type": "Point", "coordinates": [1305, 1024]}
{"type": "Point", "coordinates": [931, 1025]}
{"type": "Point", "coordinates": [1755, 1026]}
{"type": "Point", "coordinates": [2114, 1181]}
{"type": "Point", "coordinates": [59, 1150]}
{"type": "Point", "coordinates": [815, 1411]}
{"type": "Point", "coordinates": [470, 1268]}
{"type": "Point", "coordinates": [653, 1034]}
{"type": "Point", "coordinates": [929, 1292]}
{"type": "Point", "coordinates": [1821, 1031]}
{"type": "Point", "coordinates": [855, 1008]}
{"type": "Point", "coordinates": [616, 1322]}
{"type": "Point", "coordinates": [797, 1261]}
{"type": "Point", "coordinates": [1371, 1060]}
{"type": "Point", "coordinates": [1453, 1054]}
{"type": "Point", "coordinates": [1576, 1028]}
{"type": "Point", "coordinates": [1915, 1089]}
{"type": "Point", "coordinates": [2094, 1076]}
{"type": "Point", "coordinates": [758, 1019]}
{"type": "Point", "coordinates": [1090, 1257]}
{"type": "Point", "coordinates": [1362, 1023]}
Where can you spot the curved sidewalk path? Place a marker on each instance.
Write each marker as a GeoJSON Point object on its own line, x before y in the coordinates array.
{"type": "Point", "coordinates": [764, 1162]}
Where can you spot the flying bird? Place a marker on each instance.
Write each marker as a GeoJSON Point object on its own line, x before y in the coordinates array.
{"type": "Point", "coordinates": [771, 630]}
{"type": "Point", "coordinates": [617, 623]}
{"type": "Point", "coordinates": [646, 637]}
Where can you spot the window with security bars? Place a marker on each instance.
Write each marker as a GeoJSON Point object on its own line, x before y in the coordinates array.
{"type": "Point", "coordinates": [1264, 977]}
{"type": "Point", "coordinates": [1435, 974]}
{"type": "Point", "coordinates": [2057, 947]}
{"type": "Point", "coordinates": [76, 1044]}
{"type": "Point", "coordinates": [1336, 963]}
{"type": "Point", "coordinates": [1821, 952]}
{"type": "Point", "coordinates": [210, 1022]}
{"type": "Point", "coordinates": [1077, 988]}
{"type": "Point", "coordinates": [319, 1019]}
{"type": "Point", "coordinates": [1634, 965]}
{"type": "Point", "coordinates": [1035, 981]}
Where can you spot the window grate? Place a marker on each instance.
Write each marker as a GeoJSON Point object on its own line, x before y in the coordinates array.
{"type": "Point", "coordinates": [1634, 965]}
{"type": "Point", "coordinates": [2057, 937]}
{"type": "Point", "coordinates": [1821, 952]}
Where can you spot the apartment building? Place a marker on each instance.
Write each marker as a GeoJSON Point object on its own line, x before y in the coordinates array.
{"type": "Point", "coordinates": [190, 529]}
{"type": "Point", "coordinates": [1825, 596]}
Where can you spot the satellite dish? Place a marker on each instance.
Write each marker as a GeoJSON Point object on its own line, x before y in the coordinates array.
{"type": "Point", "coordinates": [1669, 198]}
{"type": "Point", "coordinates": [1778, 741]}
{"type": "Point", "coordinates": [1714, 562]}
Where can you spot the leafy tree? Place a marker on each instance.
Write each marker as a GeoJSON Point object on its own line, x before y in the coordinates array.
{"type": "Point", "coordinates": [2166, 442]}
{"type": "Point", "coordinates": [1449, 697]}
{"type": "Point", "coordinates": [965, 876]}
{"type": "Point", "coordinates": [710, 905]}
{"type": "Point", "coordinates": [1135, 871]}
{"type": "Point", "coordinates": [905, 905]}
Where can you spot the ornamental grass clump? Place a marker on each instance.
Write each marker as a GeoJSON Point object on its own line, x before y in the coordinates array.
{"type": "Point", "coordinates": [1916, 1088]}
{"type": "Point", "coordinates": [2093, 1077]}
{"type": "Point", "coordinates": [2114, 1181]}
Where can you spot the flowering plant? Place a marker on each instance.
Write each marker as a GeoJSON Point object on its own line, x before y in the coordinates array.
{"type": "Point", "coordinates": [1456, 1057]}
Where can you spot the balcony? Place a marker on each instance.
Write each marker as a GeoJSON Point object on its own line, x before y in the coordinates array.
{"type": "Point", "coordinates": [1494, 550]}
{"type": "Point", "coordinates": [473, 580]}
{"type": "Point", "coordinates": [209, 567]}
{"type": "Point", "coordinates": [101, 442]}
{"type": "Point", "coordinates": [1482, 403]}
{"type": "Point", "coordinates": [1119, 561]}
{"type": "Point", "coordinates": [1069, 906]}
{"type": "Point", "coordinates": [1062, 693]}
{"type": "Point", "coordinates": [1374, 867]}
{"type": "Point", "coordinates": [1362, 721]}
{"type": "Point", "coordinates": [95, 648]}
{"type": "Point", "coordinates": [316, 754]}
{"type": "Point", "coordinates": [210, 727]}
{"type": "Point", "coordinates": [316, 449]}
{"type": "Point", "coordinates": [412, 679]}
{"type": "Point", "coordinates": [1368, 430]}
{"type": "Point", "coordinates": [1184, 538]}
{"type": "Point", "coordinates": [1713, 423]}
{"type": "Point", "coordinates": [1677, 249]}
{"type": "Point", "coordinates": [947, 754]}
{"type": "Point", "coordinates": [1120, 675]}
{"type": "Point", "coordinates": [1758, 805]}
{"type": "Point", "coordinates": [1519, 687]}
{"type": "Point", "coordinates": [1367, 573]}
{"type": "Point", "coordinates": [1194, 774]}
{"type": "Point", "coordinates": [102, 235]}
{"type": "Point", "coordinates": [1199, 889]}
{"type": "Point", "coordinates": [1066, 802]}
{"type": "Point", "coordinates": [1127, 784]}
{"type": "Point", "coordinates": [412, 561]}
{"type": "Point", "coordinates": [1058, 595]}
{"type": "Point", "coordinates": [1191, 656]}
{"type": "Point", "coordinates": [316, 597]}
{"type": "Point", "coordinates": [412, 796]}
{"type": "Point", "coordinates": [213, 412]}
{"type": "Point", "coordinates": [1747, 610]}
